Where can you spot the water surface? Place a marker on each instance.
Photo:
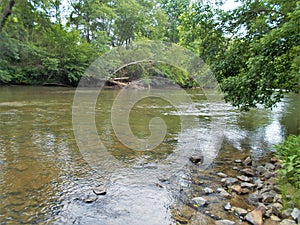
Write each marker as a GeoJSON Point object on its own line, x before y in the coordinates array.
{"type": "Point", "coordinates": [44, 177]}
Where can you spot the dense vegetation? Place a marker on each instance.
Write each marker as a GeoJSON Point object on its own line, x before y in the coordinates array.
{"type": "Point", "coordinates": [253, 49]}
{"type": "Point", "coordinates": [289, 153]}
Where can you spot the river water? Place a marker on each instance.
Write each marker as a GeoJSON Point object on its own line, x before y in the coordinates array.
{"type": "Point", "coordinates": [45, 176]}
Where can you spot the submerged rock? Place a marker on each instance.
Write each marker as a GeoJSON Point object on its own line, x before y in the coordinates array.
{"type": "Point", "coordinates": [90, 199]}
{"type": "Point", "coordinates": [196, 159]}
{"type": "Point", "coordinates": [101, 190]}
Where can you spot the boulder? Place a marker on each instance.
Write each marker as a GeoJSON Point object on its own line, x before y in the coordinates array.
{"type": "Point", "coordinates": [255, 217]}
{"type": "Point", "coordinates": [296, 214]}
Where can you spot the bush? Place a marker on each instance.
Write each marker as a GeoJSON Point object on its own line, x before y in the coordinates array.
{"type": "Point", "coordinates": [289, 153]}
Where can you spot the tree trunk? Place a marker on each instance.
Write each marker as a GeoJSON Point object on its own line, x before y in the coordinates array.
{"type": "Point", "coordinates": [6, 13]}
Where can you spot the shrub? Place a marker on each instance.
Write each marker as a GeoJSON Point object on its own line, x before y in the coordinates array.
{"type": "Point", "coordinates": [289, 153]}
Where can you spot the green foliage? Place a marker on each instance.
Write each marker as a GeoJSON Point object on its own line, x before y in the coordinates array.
{"type": "Point", "coordinates": [289, 153]}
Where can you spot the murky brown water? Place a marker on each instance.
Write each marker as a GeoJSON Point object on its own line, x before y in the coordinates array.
{"type": "Point", "coordinates": [44, 177]}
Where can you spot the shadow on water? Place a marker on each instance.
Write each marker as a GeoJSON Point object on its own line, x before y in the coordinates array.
{"type": "Point", "coordinates": [44, 178]}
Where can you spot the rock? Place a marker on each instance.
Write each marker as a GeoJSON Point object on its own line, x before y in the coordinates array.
{"type": "Point", "coordinates": [238, 189]}
{"type": "Point", "coordinates": [270, 166]}
{"type": "Point", "coordinates": [247, 185]}
{"type": "Point", "coordinates": [227, 206]}
{"type": "Point", "coordinates": [101, 190]}
{"type": "Point", "coordinates": [275, 218]}
{"type": "Point", "coordinates": [225, 222]}
{"type": "Point", "coordinates": [296, 214]}
{"type": "Point", "coordinates": [223, 175]}
{"type": "Point", "coordinates": [254, 198]}
{"type": "Point", "coordinates": [274, 160]}
{"type": "Point", "coordinates": [235, 168]}
{"type": "Point", "coordinates": [268, 213]}
{"type": "Point", "coordinates": [255, 217]}
{"type": "Point", "coordinates": [244, 178]}
{"type": "Point", "coordinates": [229, 181]}
{"type": "Point", "coordinates": [270, 222]}
{"type": "Point", "coordinates": [248, 172]}
{"type": "Point", "coordinates": [199, 201]}
{"type": "Point", "coordinates": [181, 219]}
{"type": "Point", "coordinates": [261, 170]}
{"type": "Point", "coordinates": [239, 211]}
{"type": "Point", "coordinates": [90, 199]}
{"type": "Point", "coordinates": [150, 166]}
{"type": "Point", "coordinates": [238, 161]}
{"type": "Point", "coordinates": [196, 159]}
{"type": "Point", "coordinates": [278, 198]}
{"type": "Point", "coordinates": [277, 205]}
{"type": "Point", "coordinates": [259, 183]}
{"type": "Point", "coordinates": [223, 193]}
{"type": "Point", "coordinates": [208, 190]}
{"type": "Point", "coordinates": [267, 198]}
{"type": "Point", "coordinates": [269, 174]}
{"type": "Point", "coordinates": [287, 222]}
{"type": "Point", "coordinates": [286, 213]}
{"type": "Point", "coordinates": [247, 161]}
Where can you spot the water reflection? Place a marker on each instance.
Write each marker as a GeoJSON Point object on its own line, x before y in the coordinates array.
{"type": "Point", "coordinates": [43, 176]}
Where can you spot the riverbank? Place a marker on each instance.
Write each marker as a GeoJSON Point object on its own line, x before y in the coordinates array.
{"type": "Point", "coordinates": [247, 193]}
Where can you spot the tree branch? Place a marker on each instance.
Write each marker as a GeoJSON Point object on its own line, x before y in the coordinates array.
{"type": "Point", "coordinates": [6, 13]}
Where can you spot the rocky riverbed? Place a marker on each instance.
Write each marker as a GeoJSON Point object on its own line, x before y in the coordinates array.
{"type": "Point", "coordinates": [246, 193]}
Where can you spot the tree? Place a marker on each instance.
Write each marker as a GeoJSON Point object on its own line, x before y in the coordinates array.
{"type": "Point", "coordinates": [256, 65]}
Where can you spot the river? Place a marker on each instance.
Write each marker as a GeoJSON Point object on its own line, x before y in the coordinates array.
{"type": "Point", "coordinates": [44, 176]}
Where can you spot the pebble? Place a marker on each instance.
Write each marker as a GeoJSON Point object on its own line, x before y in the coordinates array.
{"type": "Point", "coordinates": [227, 206]}
{"type": "Point", "coordinates": [247, 185]}
{"type": "Point", "coordinates": [223, 193]}
{"type": "Point", "coordinates": [248, 172]}
{"type": "Point", "coordinates": [225, 222]}
{"type": "Point", "coordinates": [229, 181]}
{"type": "Point", "coordinates": [239, 211]}
{"type": "Point", "coordinates": [247, 161]}
{"type": "Point", "coordinates": [208, 190]}
{"type": "Point", "coordinates": [223, 175]}
{"type": "Point", "coordinates": [238, 161]}
{"type": "Point", "coordinates": [199, 201]}
{"type": "Point", "coordinates": [287, 222]}
{"type": "Point", "coordinates": [244, 178]}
